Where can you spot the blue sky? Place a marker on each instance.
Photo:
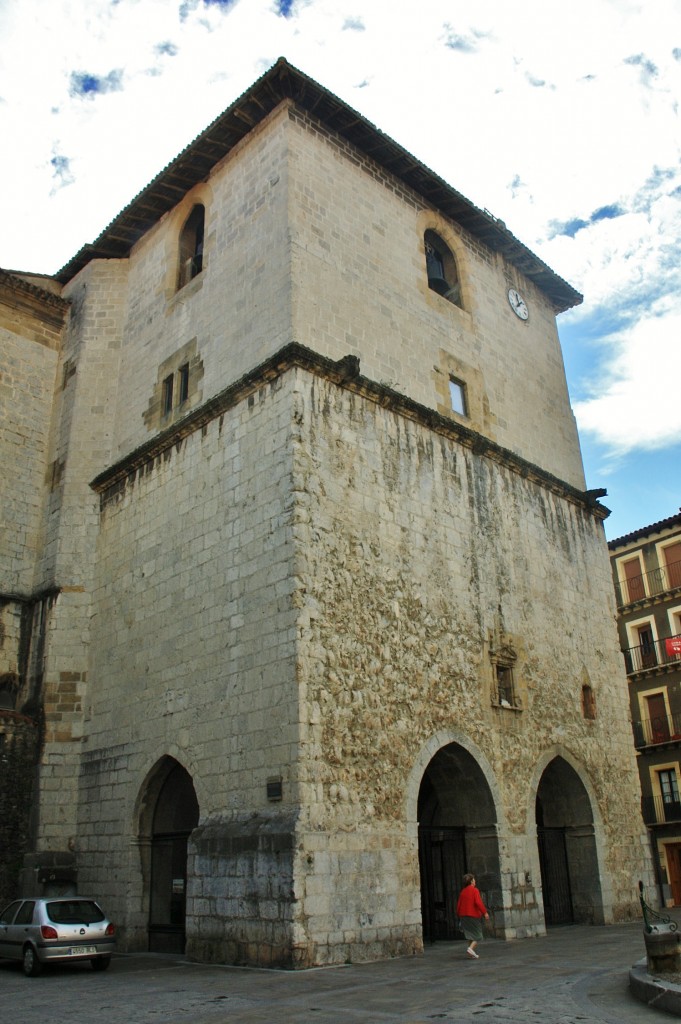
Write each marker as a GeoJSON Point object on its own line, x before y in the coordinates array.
{"type": "Point", "coordinates": [562, 120]}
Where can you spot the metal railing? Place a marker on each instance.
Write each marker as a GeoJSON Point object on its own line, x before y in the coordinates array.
{"type": "Point", "coordinates": [653, 654]}
{"type": "Point", "coordinates": [660, 729]}
{"type": "Point", "coordinates": [649, 584]}
{"type": "Point", "coordinates": [657, 811]}
{"type": "Point", "coordinates": [650, 916]}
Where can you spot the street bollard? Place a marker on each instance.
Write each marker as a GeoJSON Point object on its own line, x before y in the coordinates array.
{"type": "Point", "coordinates": [663, 950]}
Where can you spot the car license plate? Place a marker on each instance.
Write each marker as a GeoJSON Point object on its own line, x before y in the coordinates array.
{"type": "Point", "coordinates": [82, 950]}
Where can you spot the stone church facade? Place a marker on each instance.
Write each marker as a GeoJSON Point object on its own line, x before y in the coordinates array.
{"type": "Point", "coordinates": [305, 608]}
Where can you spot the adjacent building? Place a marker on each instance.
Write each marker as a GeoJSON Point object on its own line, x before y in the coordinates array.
{"type": "Point", "coordinates": [304, 601]}
{"type": "Point", "coordinates": [646, 568]}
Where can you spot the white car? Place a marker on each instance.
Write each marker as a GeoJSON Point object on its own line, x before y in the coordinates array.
{"type": "Point", "coordinates": [59, 929]}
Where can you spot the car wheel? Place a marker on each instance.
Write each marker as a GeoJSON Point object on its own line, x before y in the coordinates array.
{"type": "Point", "coordinates": [31, 964]}
{"type": "Point", "coordinates": [100, 963]}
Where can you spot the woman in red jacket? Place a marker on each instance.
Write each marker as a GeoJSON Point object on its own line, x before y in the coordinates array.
{"type": "Point", "coordinates": [471, 910]}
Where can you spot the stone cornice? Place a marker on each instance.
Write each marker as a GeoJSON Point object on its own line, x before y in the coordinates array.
{"type": "Point", "coordinates": [39, 595]}
{"type": "Point", "coordinates": [29, 298]}
{"type": "Point", "coordinates": [345, 373]}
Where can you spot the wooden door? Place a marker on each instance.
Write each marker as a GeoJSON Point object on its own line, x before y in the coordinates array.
{"type": "Point", "coordinates": [555, 876]}
{"type": "Point", "coordinates": [673, 852]}
{"type": "Point", "coordinates": [168, 886]}
{"type": "Point", "coordinates": [634, 580]}
{"type": "Point", "coordinates": [657, 730]}
{"type": "Point", "coordinates": [672, 559]}
{"type": "Point", "coordinates": [442, 857]}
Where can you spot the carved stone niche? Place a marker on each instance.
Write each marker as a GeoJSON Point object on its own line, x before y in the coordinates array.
{"type": "Point", "coordinates": [504, 657]}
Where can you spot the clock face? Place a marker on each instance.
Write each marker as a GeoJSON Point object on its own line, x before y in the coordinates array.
{"type": "Point", "coordinates": [518, 304]}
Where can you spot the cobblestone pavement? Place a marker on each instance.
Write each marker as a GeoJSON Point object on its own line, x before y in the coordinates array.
{"type": "Point", "coordinates": [575, 975]}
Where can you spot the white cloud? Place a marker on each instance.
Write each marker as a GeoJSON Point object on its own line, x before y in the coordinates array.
{"type": "Point", "coordinates": [636, 405]}
{"type": "Point", "coordinates": [465, 104]}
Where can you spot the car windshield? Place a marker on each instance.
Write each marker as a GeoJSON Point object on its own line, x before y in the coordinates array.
{"type": "Point", "coordinates": [74, 912]}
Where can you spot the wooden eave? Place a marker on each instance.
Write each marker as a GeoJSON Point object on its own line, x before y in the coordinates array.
{"type": "Point", "coordinates": [285, 82]}
{"type": "Point", "coordinates": [644, 532]}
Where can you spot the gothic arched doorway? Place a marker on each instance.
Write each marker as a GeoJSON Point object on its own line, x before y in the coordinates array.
{"type": "Point", "coordinates": [174, 812]}
{"type": "Point", "coordinates": [457, 833]}
{"type": "Point", "coordinates": [567, 848]}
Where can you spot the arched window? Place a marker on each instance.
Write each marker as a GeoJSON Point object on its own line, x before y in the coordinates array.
{"type": "Point", "coordinates": [443, 277]}
{"type": "Point", "coordinates": [191, 246]}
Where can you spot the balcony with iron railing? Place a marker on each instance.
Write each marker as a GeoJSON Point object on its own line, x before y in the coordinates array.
{"type": "Point", "coordinates": [658, 811]}
{"type": "Point", "coordinates": [655, 654]}
{"type": "Point", "coordinates": [649, 584]}
{"type": "Point", "coordinates": [660, 729]}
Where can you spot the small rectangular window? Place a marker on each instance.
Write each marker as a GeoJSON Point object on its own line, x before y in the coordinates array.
{"type": "Point", "coordinates": [505, 692]}
{"type": "Point", "coordinates": [457, 394]}
{"type": "Point", "coordinates": [183, 383]}
{"type": "Point", "coordinates": [274, 788]}
{"type": "Point", "coordinates": [168, 395]}
{"type": "Point", "coordinates": [668, 785]}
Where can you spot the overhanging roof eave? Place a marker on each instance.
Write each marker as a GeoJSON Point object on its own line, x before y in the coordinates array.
{"type": "Point", "coordinates": [285, 82]}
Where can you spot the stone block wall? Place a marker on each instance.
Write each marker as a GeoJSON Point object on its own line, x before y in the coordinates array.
{"type": "Point", "coordinates": [80, 442]}
{"type": "Point", "coordinates": [358, 895]}
{"type": "Point", "coordinates": [237, 310]}
{"type": "Point", "coordinates": [193, 655]}
{"type": "Point", "coordinates": [307, 240]}
{"type": "Point", "coordinates": [360, 287]}
{"type": "Point", "coordinates": [31, 327]}
{"type": "Point", "coordinates": [18, 754]}
{"type": "Point", "coordinates": [242, 904]}
{"type": "Point", "coordinates": [310, 587]}
{"type": "Point", "coordinates": [415, 554]}
{"type": "Point", "coordinates": [28, 365]}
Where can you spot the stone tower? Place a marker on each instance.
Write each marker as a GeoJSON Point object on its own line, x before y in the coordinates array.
{"type": "Point", "coordinates": [322, 613]}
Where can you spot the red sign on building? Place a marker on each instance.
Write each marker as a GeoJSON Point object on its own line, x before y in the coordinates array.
{"type": "Point", "coordinates": [673, 646]}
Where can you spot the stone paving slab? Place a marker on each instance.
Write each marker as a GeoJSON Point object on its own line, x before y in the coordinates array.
{"type": "Point", "coordinates": [576, 975]}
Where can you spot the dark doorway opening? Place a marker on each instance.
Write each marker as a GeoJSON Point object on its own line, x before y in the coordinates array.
{"type": "Point", "coordinates": [457, 833]}
{"type": "Point", "coordinates": [568, 858]}
{"type": "Point", "coordinates": [176, 815]}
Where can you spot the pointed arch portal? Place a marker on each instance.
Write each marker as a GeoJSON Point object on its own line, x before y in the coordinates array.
{"type": "Point", "coordinates": [457, 833]}
{"type": "Point", "coordinates": [171, 813]}
{"type": "Point", "coordinates": [567, 848]}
